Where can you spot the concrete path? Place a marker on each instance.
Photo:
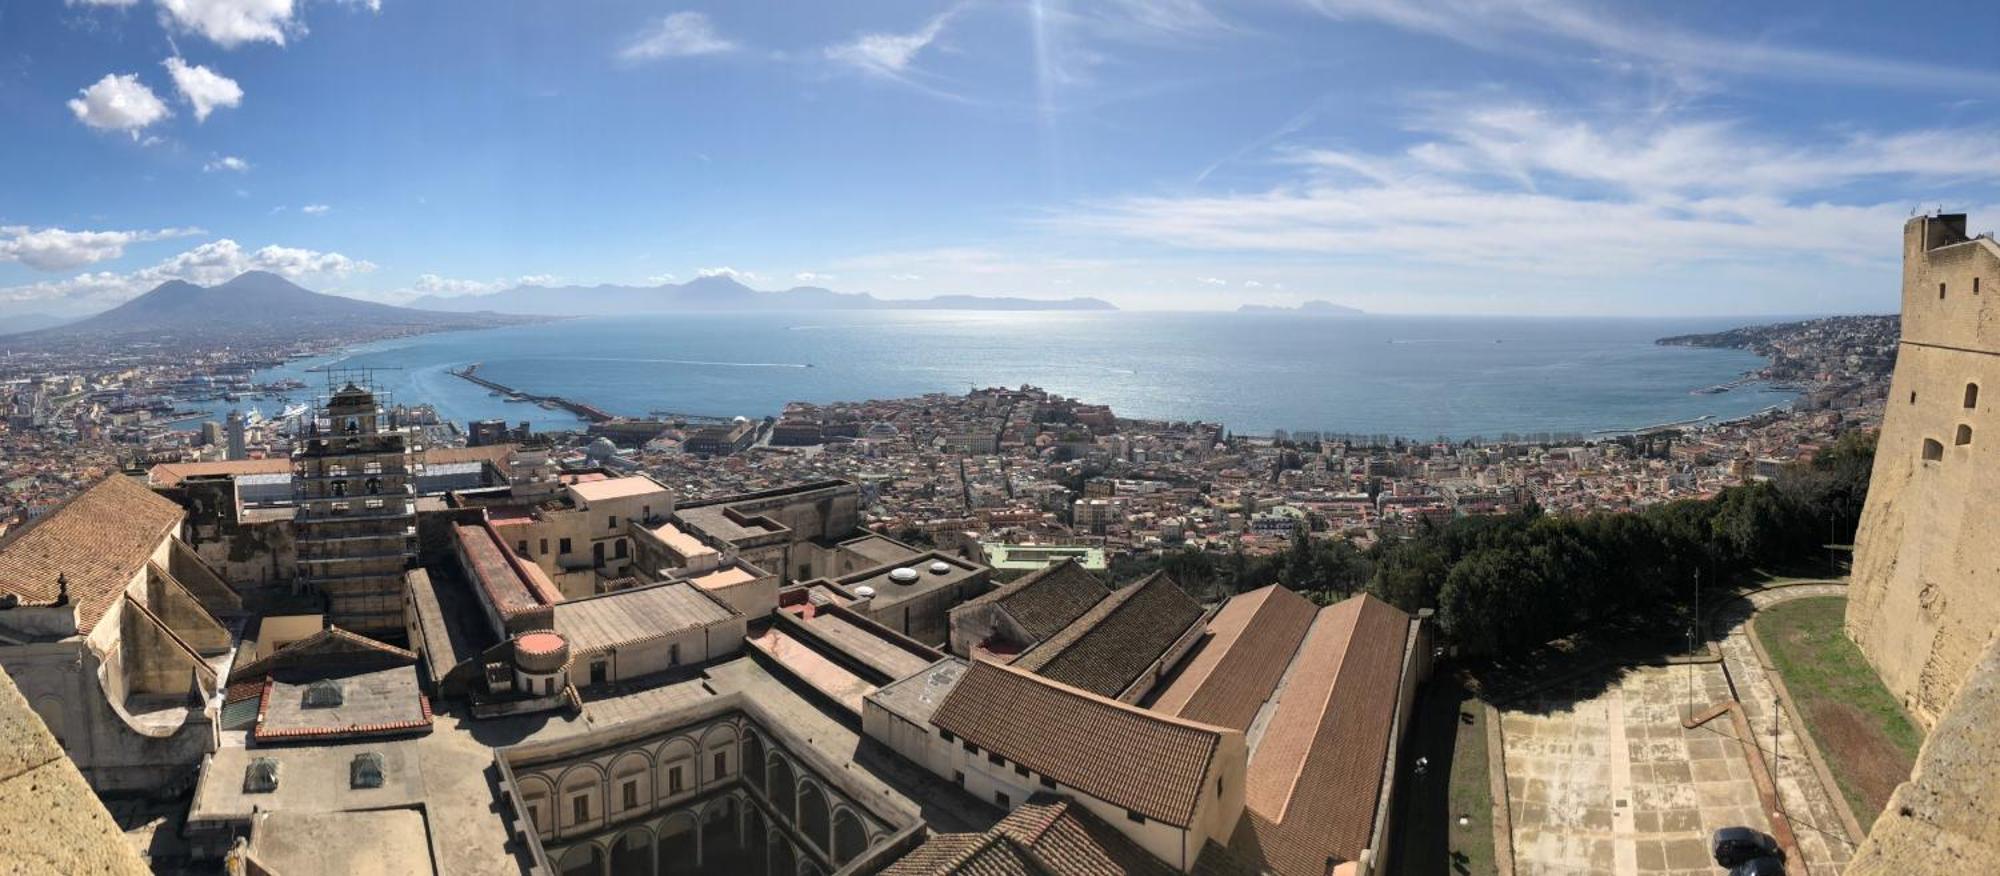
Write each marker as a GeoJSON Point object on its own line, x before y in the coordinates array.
{"type": "Point", "coordinates": [1809, 804]}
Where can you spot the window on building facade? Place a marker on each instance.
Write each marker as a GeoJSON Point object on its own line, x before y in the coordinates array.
{"type": "Point", "coordinates": [721, 764]}
{"type": "Point", "coordinates": [1964, 435]}
{"type": "Point", "coordinates": [995, 759]}
{"type": "Point", "coordinates": [521, 547]}
{"type": "Point", "coordinates": [1933, 450]}
{"type": "Point", "coordinates": [1972, 395]}
{"type": "Point", "coordinates": [619, 550]}
{"type": "Point", "coordinates": [1020, 770]}
{"type": "Point", "coordinates": [1001, 799]}
{"type": "Point", "coordinates": [579, 806]}
{"type": "Point", "coordinates": [958, 777]}
{"type": "Point", "coordinates": [612, 523]}
{"type": "Point", "coordinates": [1940, 291]}
{"type": "Point", "coordinates": [544, 547]}
{"type": "Point", "coordinates": [970, 748]}
{"type": "Point", "coordinates": [674, 784]}
{"type": "Point", "coordinates": [946, 735]}
{"type": "Point", "coordinates": [1048, 783]}
{"type": "Point", "coordinates": [1133, 816]}
{"type": "Point", "coordinates": [631, 793]}
{"type": "Point", "coordinates": [564, 544]}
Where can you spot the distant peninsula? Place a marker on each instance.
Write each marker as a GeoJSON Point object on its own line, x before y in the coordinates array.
{"type": "Point", "coordinates": [719, 293]}
{"type": "Point", "coordinates": [1310, 308]}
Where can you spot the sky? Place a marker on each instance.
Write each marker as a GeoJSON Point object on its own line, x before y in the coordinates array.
{"type": "Point", "coordinates": [1459, 156]}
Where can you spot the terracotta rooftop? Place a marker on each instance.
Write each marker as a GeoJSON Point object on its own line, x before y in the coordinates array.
{"type": "Point", "coordinates": [1249, 644]}
{"type": "Point", "coordinates": [168, 474]}
{"type": "Point", "coordinates": [99, 540]}
{"type": "Point", "coordinates": [331, 650]}
{"type": "Point", "coordinates": [616, 488]}
{"type": "Point", "coordinates": [1047, 836]}
{"type": "Point", "coordinates": [1044, 601]}
{"type": "Point", "coordinates": [1108, 647]}
{"type": "Point", "coordinates": [510, 585]}
{"type": "Point", "coordinates": [1316, 769]}
{"type": "Point", "coordinates": [1152, 764]}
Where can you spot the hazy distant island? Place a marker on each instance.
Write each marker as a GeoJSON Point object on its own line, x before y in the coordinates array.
{"type": "Point", "coordinates": [718, 293]}
{"type": "Point", "coordinates": [1311, 308]}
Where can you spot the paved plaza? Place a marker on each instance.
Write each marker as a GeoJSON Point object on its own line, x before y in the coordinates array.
{"type": "Point", "coordinates": [1602, 777]}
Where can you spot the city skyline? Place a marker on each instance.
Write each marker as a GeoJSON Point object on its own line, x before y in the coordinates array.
{"type": "Point", "coordinates": [1445, 158]}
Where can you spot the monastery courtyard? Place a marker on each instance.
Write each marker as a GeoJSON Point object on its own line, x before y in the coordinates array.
{"type": "Point", "coordinates": [1603, 778]}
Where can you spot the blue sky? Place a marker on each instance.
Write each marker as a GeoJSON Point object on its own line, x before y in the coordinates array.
{"type": "Point", "coordinates": [1464, 156]}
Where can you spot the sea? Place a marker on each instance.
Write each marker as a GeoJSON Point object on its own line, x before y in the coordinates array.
{"type": "Point", "coordinates": [1411, 376]}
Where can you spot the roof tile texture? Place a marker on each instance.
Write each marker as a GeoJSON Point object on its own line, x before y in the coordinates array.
{"type": "Point", "coordinates": [1108, 647]}
{"type": "Point", "coordinates": [1044, 601]}
{"type": "Point", "coordinates": [1250, 642]}
{"type": "Point", "coordinates": [99, 540]}
{"type": "Point", "coordinates": [1150, 763]}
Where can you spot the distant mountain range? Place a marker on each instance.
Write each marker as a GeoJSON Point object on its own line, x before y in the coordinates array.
{"type": "Point", "coordinates": [717, 293]}
{"type": "Point", "coordinates": [1313, 308]}
{"type": "Point", "coordinates": [259, 304]}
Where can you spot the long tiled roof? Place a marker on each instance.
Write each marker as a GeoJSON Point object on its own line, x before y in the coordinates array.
{"type": "Point", "coordinates": [1250, 642]}
{"type": "Point", "coordinates": [329, 651]}
{"type": "Point", "coordinates": [99, 540]}
{"type": "Point", "coordinates": [1149, 763]}
{"type": "Point", "coordinates": [1047, 836]}
{"type": "Point", "coordinates": [1108, 647]}
{"type": "Point", "coordinates": [1317, 768]}
{"type": "Point", "coordinates": [612, 620]}
{"type": "Point", "coordinates": [1044, 601]}
{"type": "Point", "coordinates": [511, 585]}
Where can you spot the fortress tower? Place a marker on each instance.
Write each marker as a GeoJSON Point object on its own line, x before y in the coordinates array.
{"type": "Point", "coordinates": [1924, 602]}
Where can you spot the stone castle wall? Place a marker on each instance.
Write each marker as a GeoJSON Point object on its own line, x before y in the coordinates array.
{"type": "Point", "coordinates": [1925, 594]}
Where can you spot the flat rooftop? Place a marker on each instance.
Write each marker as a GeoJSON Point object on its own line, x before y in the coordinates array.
{"type": "Point", "coordinates": [915, 698]}
{"type": "Point", "coordinates": [877, 549]}
{"type": "Point", "coordinates": [716, 522]}
{"type": "Point", "coordinates": [680, 542]}
{"type": "Point", "coordinates": [615, 488]}
{"type": "Point", "coordinates": [385, 702]}
{"type": "Point", "coordinates": [386, 842]}
{"type": "Point", "coordinates": [723, 578]}
{"type": "Point", "coordinates": [934, 571]}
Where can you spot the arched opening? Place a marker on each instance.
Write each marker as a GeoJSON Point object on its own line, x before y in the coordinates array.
{"type": "Point", "coordinates": [755, 833]}
{"type": "Point", "coordinates": [849, 837]}
{"type": "Point", "coordinates": [780, 790]}
{"type": "Point", "coordinates": [1964, 435]}
{"type": "Point", "coordinates": [632, 854]}
{"type": "Point", "coordinates": [783, 861]}
{"type": "Point", "coordinates": [679, 851]}
{"type": "Point", "coordinates": [339, 488]}
{"type": "Point", "coordinates": [813, 816]}
{"type": "Point", "coordinates": [1933, 450]}
{"type": "Point", "coordinates": [597, 554]}
{"type": "Point", "coordinates": [721, 841]}
{"type": "Point", "coordinates": [753, 754]}
{"type": "Point", "coordinates": [1971, 395]}
{"type": "Point", "coordinates": [374, 486]}
{"type": "Point", "coordinates": [584, 860]}
{"type": "Point", "coordinates": [619, 550]}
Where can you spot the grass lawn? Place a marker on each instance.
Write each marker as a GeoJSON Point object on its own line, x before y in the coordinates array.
{"type": "Point", "coordinates": [1449, 728]}
{"type": "Point", "coordinates": [1867, 740]}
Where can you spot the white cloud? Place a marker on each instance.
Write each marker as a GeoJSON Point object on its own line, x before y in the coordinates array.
{"type": "Point", "coordinates": [231, 23]}
{"type": "Point", "coordinates": [119, 3]}
{"type": "Point", "coordinates": [660, 279]}
{"type": "Point", "coordinates": [1529, 26]}
{"type": "Point", "coordinates": [1523, 189]}
{"type": "Point", "coordinates": [119, 103]}
{"type": "Point", "coordinates": [729, 272]}
{"type": "Point", "coordinates": [203, 88]}
{"type": "Point", "coordinates": [1251, 284]}
{"type": "Point", "coordinates": [888, 54]}
{"type": "Point", "coordinates": [906, 278]}
{"type": "Point", "coordinates": [206, 265]}
{"type": "Point", "coordinates": [433, 284]}
{"type": "Point", "coordinates": [315, 209]}
{"type": "Point", "coordinates": [680, 35]}
{"type": "Point", "coordinates": [812, 277]}
{"type": "Point", "coordinates": [1213, 281]}
{"type": "Point", "coordinates": [226, 162]}
{"type": "Point", "coordinates": [56, 249]}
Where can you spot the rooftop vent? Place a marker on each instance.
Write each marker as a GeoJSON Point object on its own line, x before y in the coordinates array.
{"type": "Point", "coordinates": [261, 776]}
{"type": "Point", "coordinates": [322, 694]}
{"type": "Point", "coordinates": [904, 576]}
{"type": "Point", "coordinates": [940, 567]}
{"type": "Point", "coordinates": [864, 591]}
{"type": "Point", "coordinates": [365, 771]}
